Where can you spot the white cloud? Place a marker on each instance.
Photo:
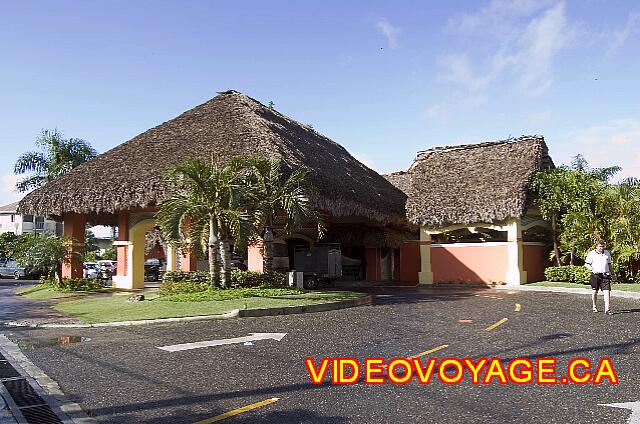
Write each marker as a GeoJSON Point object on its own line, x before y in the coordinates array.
{"type": "Point", "coordinates": [364, 158]}
{"type": "Point", "coordinates": [541, 42]}
{"type": "Point", "coordinates": [618, 37]}
{"type": "Point", "coordinates": [389, 31]}
{"type": "Point", "coordinates": [8, 193]}
{"type": "Point", "coordinates": [515, 42]}
{"type": "Point", "coordinates": [616, 142]}
{"type": "Point", "coordinates": [500, 17]}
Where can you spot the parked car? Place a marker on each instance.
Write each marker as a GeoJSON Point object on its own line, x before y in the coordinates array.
{"type": "Point", "coordinates": [90, 270]}
{"type": "Point", "coordinates": [152, 269]}
{"type": "Point", "coordinates": [107, 269]}
{"type": "Point", "coordinates": [10, 268]}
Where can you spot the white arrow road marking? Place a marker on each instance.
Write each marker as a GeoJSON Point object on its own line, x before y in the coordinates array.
{"type": "Point", "coordinates": [635, 410]}
{"type": "Point", "coordinates": [207, 343]}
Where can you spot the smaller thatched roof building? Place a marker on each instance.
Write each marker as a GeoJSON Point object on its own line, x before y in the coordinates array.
{"type": "Point", "coordinates": [486, 182]}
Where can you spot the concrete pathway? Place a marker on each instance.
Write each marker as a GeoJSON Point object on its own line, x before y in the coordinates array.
{"type": "Point", "coordinates": [20, 309]}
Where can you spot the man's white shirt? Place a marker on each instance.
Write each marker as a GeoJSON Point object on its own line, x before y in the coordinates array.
{"type": "Point", "coordinates": [598, 263]}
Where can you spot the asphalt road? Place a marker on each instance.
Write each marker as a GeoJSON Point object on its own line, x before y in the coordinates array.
{"type": "Point", "coordinates": [121, 376]}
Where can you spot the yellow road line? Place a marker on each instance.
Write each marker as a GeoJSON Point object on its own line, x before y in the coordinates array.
{"type": "Point", "coordinates": [518, 307]}
{"type": "Point", "coordinates": [426, 352]}
{"type": "Point", "coordinates": [238, 411]}
{"type": "Point", "coordinates": [497, 324]}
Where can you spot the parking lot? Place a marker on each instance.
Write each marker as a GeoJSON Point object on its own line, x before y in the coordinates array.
{"type": "Point", "coordinates": [120, 374]}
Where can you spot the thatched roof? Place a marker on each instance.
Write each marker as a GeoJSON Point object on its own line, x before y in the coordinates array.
{"type": "Point", "coordinates": [472, 183]}
{"type": "Point", "coordinates": [231, 124]}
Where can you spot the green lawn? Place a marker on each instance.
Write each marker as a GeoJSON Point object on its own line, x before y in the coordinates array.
{"type": "Point", "coordinates": [615, 286]}
{"type": "Point", "coordinates": [116, 308]}
{"type": "Point", "coordinates": [43, 292]}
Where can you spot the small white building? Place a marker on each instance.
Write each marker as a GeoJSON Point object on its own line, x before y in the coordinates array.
{"type": "Point", "coordinates": [12, 222]}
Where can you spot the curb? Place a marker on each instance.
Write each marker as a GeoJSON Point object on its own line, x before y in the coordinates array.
{"type": "Point", "coordinates": [236, 313]}
{"type": "Point", "coordinates": [571, 290]}
{"type": "Point", "coordinates": [320, 307]}
{"type": "Point", "coordinates": [47, 388]}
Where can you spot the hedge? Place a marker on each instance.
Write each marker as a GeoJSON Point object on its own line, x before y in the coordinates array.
{"type": "Point", "coordinates": [568, 274]}
{"type": "Point", "coordinates": [176, 282]}
{"type": "Point", "coordinates": [72, 284]}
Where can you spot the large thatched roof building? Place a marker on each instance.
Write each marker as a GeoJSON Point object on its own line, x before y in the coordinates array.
{"type": "Point", "coordinates": [475, 193]}
{"type": "Point", "coordinates": [231, 124]}
{"type": "Point", "coordinates": [125, 185]}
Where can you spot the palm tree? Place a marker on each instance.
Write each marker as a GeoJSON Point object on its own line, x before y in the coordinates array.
{"type": "Point", "coordinates": [206, 212]}
{"type": "Point", "coordinates": [272, 195]}
{"type": "Point", "coordinates": [57, 157]}
{"type": "Point", "coordinates": [625, 226]}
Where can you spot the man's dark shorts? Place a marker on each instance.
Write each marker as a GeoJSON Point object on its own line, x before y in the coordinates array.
{"type": "Point", "coordinates": [598, 282]}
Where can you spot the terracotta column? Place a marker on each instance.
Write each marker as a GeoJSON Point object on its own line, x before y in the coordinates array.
{"type": "Point", "coordinates": [373, 272]}
{"type": "Point", "coordinates": [74, 228]}
{"type": "Point", "coordinates": [121, 248]}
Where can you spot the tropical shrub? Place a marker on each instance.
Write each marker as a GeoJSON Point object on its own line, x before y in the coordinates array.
{"type": "Point", "coordinates": [183, 276]}
{"type": "Point", "coordinates": [72, 284]}
{"type": "Point", "coordinates": [256, 279]}
{"type": "Point", "coordinates": [568, 274]}
{"type": "Point", "coordinates": [181, 287]}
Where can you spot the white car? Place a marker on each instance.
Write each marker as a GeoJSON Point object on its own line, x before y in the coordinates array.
{"type": "Point", "coordinates": [90, 270]}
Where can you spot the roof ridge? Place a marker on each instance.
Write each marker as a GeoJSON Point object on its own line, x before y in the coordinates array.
{"type": "Point", "coordinates": [439, 149]}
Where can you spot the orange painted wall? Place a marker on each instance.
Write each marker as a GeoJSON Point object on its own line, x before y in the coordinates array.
{"type": "Point", "coordinates": [534, 261]}
{"type": "Point", "coordinates": [255, 258]}
{"type": "Point", "coordinates": [469, 264]}
{"type": "Point", "coordinates": [409, 263]}
{"type": "Point", "coordinates": [373, 264]}
{"type": "Point", "coordinates": [188, 262]}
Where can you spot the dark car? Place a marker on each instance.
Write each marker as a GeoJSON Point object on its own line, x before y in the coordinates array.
{"type": "Point", "coordinates": [152, 270]}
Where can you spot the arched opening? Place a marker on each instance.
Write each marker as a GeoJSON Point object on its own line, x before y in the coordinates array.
{"type": "Point", "coordinates": [135, 267]}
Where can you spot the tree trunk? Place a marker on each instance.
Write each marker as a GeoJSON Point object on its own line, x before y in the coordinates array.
{"type": "Point", "coordinates": [59, 272]}
{"type": "Point", "coordinates": [225, 256]}
{"type": "Point", "coordinates": [573, 256]}
{"type": "Point", "coordinates": [214, 262]}
{"type": "Point", "coordinates": [267, 261]}
{"type": "Point", "coordinates": [554, 236]}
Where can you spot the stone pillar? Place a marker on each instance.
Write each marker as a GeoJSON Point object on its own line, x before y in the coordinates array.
{"type": "Point", "coordinates": [425, 276]}
{"type": "Point", "coordinates": [74, 229]}
{"type": "Point", "coordinates": [516, 274]}
{"type": "Point", "coordinates": [172, 263]}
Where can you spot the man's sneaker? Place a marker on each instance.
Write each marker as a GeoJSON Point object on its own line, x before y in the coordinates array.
{"type": "Point", "coordinates": [608, 312]}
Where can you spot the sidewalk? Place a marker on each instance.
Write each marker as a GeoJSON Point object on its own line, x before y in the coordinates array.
{"type": "Point", "coordinates": [585, 291]}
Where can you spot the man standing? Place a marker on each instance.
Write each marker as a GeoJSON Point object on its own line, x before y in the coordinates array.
{"type": "Point", "coordinates": [599, 263]}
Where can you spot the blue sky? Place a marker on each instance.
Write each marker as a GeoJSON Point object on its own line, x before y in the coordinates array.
{"type": "Point", "coordinates": [384, 79]}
